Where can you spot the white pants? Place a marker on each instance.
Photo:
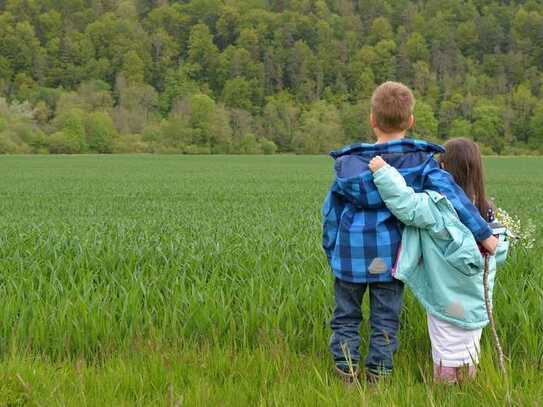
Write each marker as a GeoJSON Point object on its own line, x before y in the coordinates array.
{"type": "Point", "coordinates": [453, 346]}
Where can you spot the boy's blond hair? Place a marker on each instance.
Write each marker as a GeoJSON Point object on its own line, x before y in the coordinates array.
{"type": "Point", "coordinates": [392, 105]}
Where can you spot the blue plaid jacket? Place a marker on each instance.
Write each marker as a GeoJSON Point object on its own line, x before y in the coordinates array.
{"type": "Point", "coordinates": [361, 237]}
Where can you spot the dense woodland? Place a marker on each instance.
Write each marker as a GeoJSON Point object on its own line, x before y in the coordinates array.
{"type": "Point", "coordinates": [263, 76]}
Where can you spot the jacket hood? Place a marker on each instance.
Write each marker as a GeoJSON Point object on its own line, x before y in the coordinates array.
{"type": "Point", "coordinates": [395, 146]}
{"type": "Point", "coordinates": [354, 180]}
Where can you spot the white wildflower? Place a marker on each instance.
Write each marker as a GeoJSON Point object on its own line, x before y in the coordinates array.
{"type": "Point", "coordinates": [522, 233]}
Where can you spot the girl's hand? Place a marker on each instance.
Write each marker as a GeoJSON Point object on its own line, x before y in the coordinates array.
{"type": "Point", "coordinates": [490, 244]}
{"type": "Point", "coordinates": [376, 163]}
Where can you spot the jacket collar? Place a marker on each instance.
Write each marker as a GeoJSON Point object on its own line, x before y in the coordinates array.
{"type": "Point", "coordinates": [395, 146]}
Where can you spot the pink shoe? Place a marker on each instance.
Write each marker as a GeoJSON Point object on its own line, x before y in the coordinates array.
{"type": "Point", "coordinates": [466, 373]}
{"type": "Point", "coordinates": [444, 374]}
{"type": "Point", "coordinates": [453, 375]}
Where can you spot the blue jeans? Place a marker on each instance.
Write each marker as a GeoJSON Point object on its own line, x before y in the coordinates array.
{"type": "Point", "coordinates": [386, 301]}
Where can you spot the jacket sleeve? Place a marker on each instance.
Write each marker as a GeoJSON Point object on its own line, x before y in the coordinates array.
{"type": "Point", "coordinates": [331, 214]}
{"type": "Point", "coordinates": [441, 181]}
{"type": "Point", "coordinates": [411, 208]}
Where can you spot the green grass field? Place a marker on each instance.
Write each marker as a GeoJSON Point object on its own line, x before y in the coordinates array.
{"type": "Point", "coordinates": [177, 280]}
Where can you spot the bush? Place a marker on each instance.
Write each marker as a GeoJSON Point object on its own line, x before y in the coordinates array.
{"type": "Point", "coordinates": [177, 133]}
{"type": "Point", "coordinates": [70, 137]}
{"type": "Point", "coordinates": [100, 132]}
{"type": "Point", "coordinates": [42, 151]}
{"type": "Point", "coordinates": [29, 135]}
{"type": "Point", "coordinates": [61, 143]}
{"type": "Point", "coordinates": [13, 143]}
{"type": "Point", "coordinates": [194, 149]}
{"type": "Point", "coordinates": [128, 143]}
{"type": "Point", "coordinates": [268, 147]}
{"type": "Point", "coordinates": [6, 145]}
{"type": "Point", "coordinates": [249, 145]}
{"type": "Point", "coordinates": [221, 149]}
{"type": "Point", "coordinates": [151, 132]}
{"type": "Point", "coordinates": [520, 150]}
{"type": "Point", "coordinates": [486, 150]}
{"type": "Point", "coordinates": [157, 148]}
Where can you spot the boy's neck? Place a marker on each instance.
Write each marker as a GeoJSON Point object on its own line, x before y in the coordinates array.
{"type": "Point", "coordinates": [383, 137]}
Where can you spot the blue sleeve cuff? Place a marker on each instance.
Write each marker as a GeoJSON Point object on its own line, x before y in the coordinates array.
{"type": "Point", "coordinates": [484, 234]}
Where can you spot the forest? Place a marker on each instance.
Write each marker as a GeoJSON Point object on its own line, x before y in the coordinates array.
{"type": "Point", "coordinates": [264, 76]}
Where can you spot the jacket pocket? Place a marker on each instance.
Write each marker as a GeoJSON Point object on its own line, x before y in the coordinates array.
{"type": "Point", "coordinates": [460, 250]}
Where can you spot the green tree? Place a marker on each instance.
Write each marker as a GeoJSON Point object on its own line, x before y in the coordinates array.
{"type": "Point", "coordinates": [320, 130]}
{"type": "Point", "coordinates": [209, 119]}
{"type": "Point", "coordinates": [365, 84]}
{"type": "Point", "coordinates": [220, 132]}
{"type": "Point", "coordinates": [237, 94]}
{"type": "Point", "coordinates": [113, 37]}
{"type": "Point", "coordinates": [248, 40]}
{"type": "Point", "coordinates": [178, 84]}
{"type": "Point", "coordinates": [138, 105]}
{"type": "Point", "coordinates": [523, 103]}
{"type": "Point", "coordinates": [203, 53]}
{"type": "Point", "coordinates": [228, 26]}
{"type": "Point", "coordinates": [381, 30]}
{"type": "Point", "coordinates": [385, 65]}
{"type": "Point", "coordinates": [467, 36]}
{"type": "Point", "coordinates": [7, 146]}
{"type": "Point", "coordinates": [268, 147]}
{"type": "Point", "coordinates": [300, 73]}
{"type": "Point", "coordinates": [448, 112]}
{"type": "Point", "coordinates": [201, 111]}
{"type": "Point", "coordinates": [526, 28]}
{"type": "Point", "coordinates": [460, 128]}
{"type": "Point", "coordinates": [488, 127]}
{"type": "Point", "coordinates": [70, 135]}
{"type": "Point", "coordinates": [281, 117]}
{"type": "Point", "coordinates": [355, 122]}
{"type": "Point", "coordinates": [425, 121]}
{"type": "Point", "coordinates": [249, 145]}
{"type": "Point", "coordinates": [536, 127]}
{"type": "Point", "coordinates": [133, 68]}
{"type": "Point", "coordinates": [100, 132]}
{"type": "Point", "coordinates": [176, 133]}
{"type": "Point", "coordinates": [416, 47]}
{"type": "Point", "coordinates": [19, 44]}
{"type": "Point", "coordinates": [425, 81]}
{"type": "Point", "coordinates": [165, 53]}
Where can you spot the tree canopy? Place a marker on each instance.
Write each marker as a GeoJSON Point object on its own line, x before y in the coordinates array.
{"type": "Point", "coordinates": [263, 76]}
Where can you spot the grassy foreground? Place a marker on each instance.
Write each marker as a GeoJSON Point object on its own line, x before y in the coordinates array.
{"type": "Point", "coordinates": [166, 280]}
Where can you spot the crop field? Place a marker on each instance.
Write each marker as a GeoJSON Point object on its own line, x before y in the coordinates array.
{"type": "Point", "coordinates": [188, 280]}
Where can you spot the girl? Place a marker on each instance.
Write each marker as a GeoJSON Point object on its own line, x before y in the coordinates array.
{"type": "Point", "coordinates": [440, 260]}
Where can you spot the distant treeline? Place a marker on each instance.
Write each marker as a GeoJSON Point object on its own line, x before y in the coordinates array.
{"type": "Point", "coordinates": [263, 76]}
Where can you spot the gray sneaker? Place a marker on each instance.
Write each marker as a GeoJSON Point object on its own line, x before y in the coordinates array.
{"type": "Point", "coordinates": [374, 378]}
{"type": "Point", "coordinates": [347, 372]}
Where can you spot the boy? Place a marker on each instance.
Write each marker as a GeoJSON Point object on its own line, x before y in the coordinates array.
{"type": "Point", "coordinates": [361, 237]}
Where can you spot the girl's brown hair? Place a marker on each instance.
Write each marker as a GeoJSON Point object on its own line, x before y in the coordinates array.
{"type": "Point", "coordinates": [462, 159]}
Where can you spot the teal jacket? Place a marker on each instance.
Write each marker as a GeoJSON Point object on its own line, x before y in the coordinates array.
{"type": "Point", "coordinates": [439, 259]}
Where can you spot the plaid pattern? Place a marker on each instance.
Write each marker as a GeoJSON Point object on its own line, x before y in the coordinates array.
{"type": "Point", "coordinates": [361, 238]}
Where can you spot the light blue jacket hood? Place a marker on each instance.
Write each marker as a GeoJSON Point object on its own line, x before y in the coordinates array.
{"type": "Point", "coordinates": [439, 258]}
